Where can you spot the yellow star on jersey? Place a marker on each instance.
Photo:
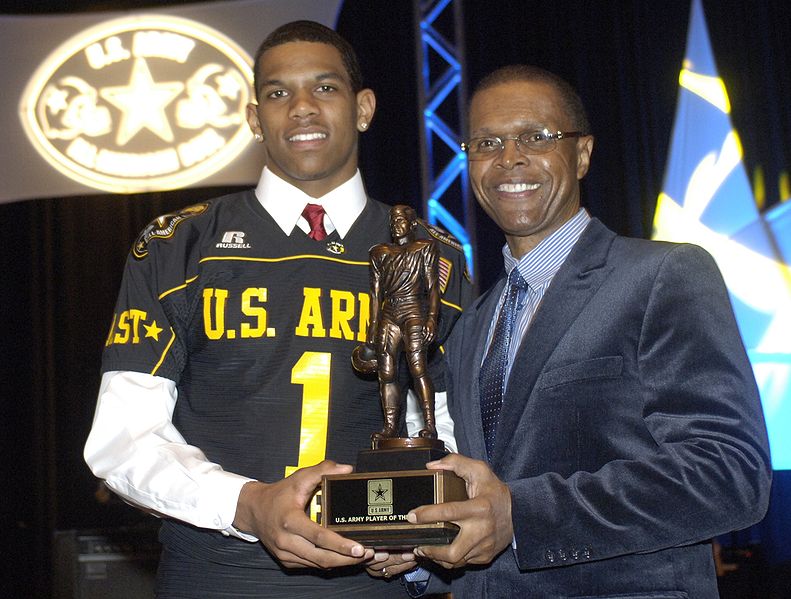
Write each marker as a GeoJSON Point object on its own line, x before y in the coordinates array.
{"type": "Point", "coordinates": [152, 330]}
{"type": "Point", "coordinates": [143, 103]}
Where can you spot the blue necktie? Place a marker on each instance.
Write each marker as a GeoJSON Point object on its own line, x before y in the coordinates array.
{"type": "Point", "coordinates": [492, 375]}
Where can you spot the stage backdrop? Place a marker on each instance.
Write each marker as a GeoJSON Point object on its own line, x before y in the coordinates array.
{"type": "Point", "coordinates": [707, 200]}
{"type": "Point", "coordinates": [129, 102]}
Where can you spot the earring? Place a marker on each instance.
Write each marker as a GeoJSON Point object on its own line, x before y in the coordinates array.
{"type": "Point", "coordinates": [363, 126]}
{"type": "Point", "coordinates": [258, 137]}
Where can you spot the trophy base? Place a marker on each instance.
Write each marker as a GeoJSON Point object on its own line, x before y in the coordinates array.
{"type": "Point", "coordinates": [400, 454]}
{"type": "Point", "coordinates": [370, 505]}
{"type": "Point", "coordinates": [403, 538]}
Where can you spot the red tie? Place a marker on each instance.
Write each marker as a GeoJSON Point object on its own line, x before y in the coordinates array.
{"type": "Point", "coordinates": [314, 214]}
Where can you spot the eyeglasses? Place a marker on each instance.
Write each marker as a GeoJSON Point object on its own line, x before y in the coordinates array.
{"type": "Point", "coordinates": [529, 142]}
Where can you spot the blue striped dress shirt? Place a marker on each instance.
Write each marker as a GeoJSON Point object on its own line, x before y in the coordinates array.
{"type": "Point", "coordinates": [538, 268]}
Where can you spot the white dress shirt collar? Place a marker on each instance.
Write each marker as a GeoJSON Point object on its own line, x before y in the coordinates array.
{"type": "Point", "coordinates": [285, 203]}
{"type": "Point", "coordinates": [540, 264]}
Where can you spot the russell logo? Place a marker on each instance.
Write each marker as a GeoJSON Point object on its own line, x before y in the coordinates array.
{"type": "Point", "coordinates": [233, 240]}
{"type": "Point", "coordinates": [140, 103]}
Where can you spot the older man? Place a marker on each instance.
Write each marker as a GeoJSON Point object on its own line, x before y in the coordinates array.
{"type": "Point", "coordinates": [600, 388]}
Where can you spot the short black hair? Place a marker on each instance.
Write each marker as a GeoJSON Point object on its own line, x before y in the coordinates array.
{"type": "Point", "coordinates": [572, 103]}
{"type": "Point", "coordinates": [310, 31]}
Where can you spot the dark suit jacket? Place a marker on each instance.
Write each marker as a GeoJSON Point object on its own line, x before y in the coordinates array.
{"type": "Point", "coordinates": [631, 431]}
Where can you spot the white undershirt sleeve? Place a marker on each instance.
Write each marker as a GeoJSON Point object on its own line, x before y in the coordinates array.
{"type": "Point", "coordinates": [134, 446]}
{"type": "Point", "coordinates": [442, 419]}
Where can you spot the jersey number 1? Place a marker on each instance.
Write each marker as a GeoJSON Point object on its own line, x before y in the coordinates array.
{"type": "Point", "coordinates": [312, 371]}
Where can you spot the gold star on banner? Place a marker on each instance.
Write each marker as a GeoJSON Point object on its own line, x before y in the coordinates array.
{"type": "Point", "coordinates": [143, 103]}
{"type": "Point", "coordinates": [152, 330]}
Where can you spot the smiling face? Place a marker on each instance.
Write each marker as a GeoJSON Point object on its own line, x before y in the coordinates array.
{"type": "Point", "coordinates": [309, 116]}
{"type": "Point", "coordinates": [527, 196]}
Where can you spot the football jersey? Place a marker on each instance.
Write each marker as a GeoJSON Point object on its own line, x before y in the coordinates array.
{"type": "Point", "coordinates": [257, 329]}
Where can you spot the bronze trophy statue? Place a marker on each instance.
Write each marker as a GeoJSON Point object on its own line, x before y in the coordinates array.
{"type": "Point", "coordinates": [404, 310]}
{"type": "Point", "coordinates": [371, 505]}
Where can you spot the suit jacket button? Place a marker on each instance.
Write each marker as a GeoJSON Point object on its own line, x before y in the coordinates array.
{"type": "Point", "coordinates": [562, 555]}
{"type": "Point", "coordinates": [550, 556]}
{"type": "Point", "coordinates": [575, 554]}
{"type": "Point", "coordinates": [586, 552]}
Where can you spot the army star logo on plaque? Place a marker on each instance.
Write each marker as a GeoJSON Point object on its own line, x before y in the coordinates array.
{"type": "Point", "coordinates": [140, 103]}
{"type": "Point", "coordinates": [380, 496]}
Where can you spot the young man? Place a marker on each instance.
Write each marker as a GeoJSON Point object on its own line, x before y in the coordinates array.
{"type": "Point", "coordinates": [227, 376]}
{"type": "Point", "coordinates": [601, 387]}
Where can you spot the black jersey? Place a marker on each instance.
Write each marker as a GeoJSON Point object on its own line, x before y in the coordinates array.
{"type": "Point", "coordinates": [257, 329]}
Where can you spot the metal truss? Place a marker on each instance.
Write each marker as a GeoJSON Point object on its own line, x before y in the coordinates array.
{"type": "Point", "coordinates": [441, 95]}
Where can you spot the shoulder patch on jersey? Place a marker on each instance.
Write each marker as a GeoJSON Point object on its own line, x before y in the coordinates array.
{"type": "Point", "coordinates": [441, 235]}
{"type": "Point", "coordinates": [163, 227]}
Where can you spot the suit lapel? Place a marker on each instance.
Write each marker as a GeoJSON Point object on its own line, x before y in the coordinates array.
{"type": "Point", "coordinates": [572, 287]}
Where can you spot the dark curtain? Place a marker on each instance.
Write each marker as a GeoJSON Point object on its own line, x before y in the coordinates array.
{"type": "Point", "coordinates": [63, 257]}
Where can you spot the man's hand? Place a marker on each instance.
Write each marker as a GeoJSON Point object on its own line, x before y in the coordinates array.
{"type": "Point", "coordinates": [388, 565]}
{"type": "Point", "coordinates": [275, 513]}
{"type": "Point", "coordinates": [485, 518]}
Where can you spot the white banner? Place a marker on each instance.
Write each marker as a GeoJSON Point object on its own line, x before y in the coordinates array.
{"type": "Point", "coordinates": [129, 102]}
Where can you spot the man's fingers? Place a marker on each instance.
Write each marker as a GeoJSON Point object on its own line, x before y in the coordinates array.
{"type": "Point", "coordinates": [450, 511]}
{"type": "Point", "coordinates": [448, 556]}
{"type": "Point", "coordinates": [378, 561]}
{"type": "Point", "coordinates": [305, 481]}
{"type": "Point", "coordinates": [427, 514]}
{"type": "Point", "coordinates": [289, 560]}
{"type": "Point", "coordinates": [303, 552]}
{"type": "Point", "coordinates": [466, 549]}
{"type": "Point", "coordinates": [465, 467]}
{"type": "Point", "coordinates": [485, 527]}
{"type": "Point", "coordinates": [320, 547]}
{"type": "Point", "coordinates": [394, 565]}
{"type": "Point", "coordinates": [476, 474]}
{"type": "Point", "coordinates": [330, 467]}
{"type": "Point", "coordinates": [399, 569]}
{"type": "Point", "coordinates": [304, 542]}
{"type": "Point", "coordinates": [275, 513]}
{"type": "Point", "coordinates": [326, 539]}
{"type": "Point", "coordinates": [311, 476]}
{"type": "Point", "coordinates": [323, 539]}
{"type": "Point", "coordinates": [383, 558]}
